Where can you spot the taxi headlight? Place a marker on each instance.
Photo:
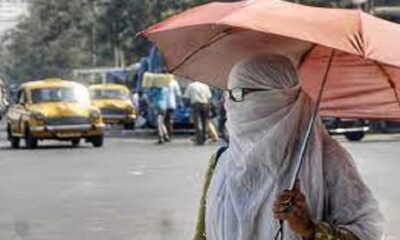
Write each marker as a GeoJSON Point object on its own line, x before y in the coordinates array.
{"type": "Point", "coordinates": [39, 116]}
{"type": "Point", "coordinates": [129, 110]}
{"type": "Point", "coordinates": [94, 115]}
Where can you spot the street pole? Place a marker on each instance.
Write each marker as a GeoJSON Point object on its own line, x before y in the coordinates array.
{"type": "Point", "coordinates": [94, 32]}
{"type": "Point", "coordinates": [94, 54]}
{"type": "Point", "coordinates": [115, 43]}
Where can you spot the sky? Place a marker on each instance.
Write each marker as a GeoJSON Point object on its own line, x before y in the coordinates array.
{"type": "Point", "coordinates": [10, 12]}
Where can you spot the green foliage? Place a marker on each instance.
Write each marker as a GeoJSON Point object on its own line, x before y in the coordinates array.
{"type": "Point", "coordinates": [50, 42]}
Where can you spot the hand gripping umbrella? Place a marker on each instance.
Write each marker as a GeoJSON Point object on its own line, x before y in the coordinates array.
{"type": "Point", "coordinates": [350, 56]}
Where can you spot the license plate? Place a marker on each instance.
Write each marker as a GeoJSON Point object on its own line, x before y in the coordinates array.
{"type": "Point", "coordinates": [68, 135]}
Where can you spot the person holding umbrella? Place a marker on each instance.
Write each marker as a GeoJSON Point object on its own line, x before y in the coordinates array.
{"type": "Point", "coordinates": [267, 115]}
{"type": "Point", "coordinates": [348, 62]}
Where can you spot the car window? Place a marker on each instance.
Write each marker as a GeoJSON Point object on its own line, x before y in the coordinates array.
{"type": "Point", "coordinates": [109, 94]}
{"type": "Point", "coordinates": [62, 94]}
{"type": "Point", "coordinates": [21, 97]}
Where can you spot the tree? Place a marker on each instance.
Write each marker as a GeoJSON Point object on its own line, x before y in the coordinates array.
{"type": "Point", "coordinates": [50, 42]}
{"type": "Point", "coordinates": [59, 36]}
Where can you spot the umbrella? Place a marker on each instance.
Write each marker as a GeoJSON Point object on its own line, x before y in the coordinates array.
{"type": "Point", "coordinates": [354, 53]}
{"type": "Point", "coordinates": [363, 79]}
{"type": "Point", "coordinates": [348, 60]}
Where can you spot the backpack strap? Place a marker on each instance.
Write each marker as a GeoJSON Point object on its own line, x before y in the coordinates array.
{"type": "Point", "coordinates": [220, 151]}
{"type": "Point", "coordinates": [200, 233]}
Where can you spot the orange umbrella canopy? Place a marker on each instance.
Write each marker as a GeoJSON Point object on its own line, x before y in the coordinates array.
{"type": "Point", "coordinates": [362, 82]}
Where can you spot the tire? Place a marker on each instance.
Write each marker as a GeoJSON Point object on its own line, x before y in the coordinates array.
{"type": "Point", "coordinates": [354, 136]}
{"type": "Point", "coordinates": [14, 141]}
{"type": "Point", "coordinates": [76, 142]}
{"type": "Point", "coordinates": [30, 141]}
{"type": "Point", "coordinates": [97, 141]}
{"type": "Point", "coordinates": [129, 126]}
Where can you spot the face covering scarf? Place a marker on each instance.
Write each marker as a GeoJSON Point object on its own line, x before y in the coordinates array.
{"type": "Point", "coordinates": [266, 131]}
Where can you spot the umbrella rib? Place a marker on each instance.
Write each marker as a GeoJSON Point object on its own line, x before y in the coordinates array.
{"type": "Point", "coordinates": [305, 55]}
{"type": "Point", "coordinates": [390, 81]}
{"type": "Point", "coordinates": [212, 40]}
{"type": "Point", "coordinates": [359, 38]}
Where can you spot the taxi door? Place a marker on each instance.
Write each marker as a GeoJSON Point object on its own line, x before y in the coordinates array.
{"type": "Point", "coordinates": [17, 114]}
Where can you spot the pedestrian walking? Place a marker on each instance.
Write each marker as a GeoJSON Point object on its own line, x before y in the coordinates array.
{"type": "Point", "coordinates": [244, 196]}
{"type": "Point", "coordinates": [159, 100]}
{"type": "Point", "coordinates": [158, 83]}
{"type": "Point", "coordinates": [174, 100]}
{"type": "Point", "coordinates": [199, 95]}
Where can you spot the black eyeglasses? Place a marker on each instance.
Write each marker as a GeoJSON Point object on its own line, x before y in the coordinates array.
{"type": "Point", "coordinates": [237, 94]}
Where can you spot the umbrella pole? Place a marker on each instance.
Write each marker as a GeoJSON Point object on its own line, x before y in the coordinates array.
{"type": "Point", "coordinates": [280, 233]}
{"type": "Point", "coordinates": [311, 123]}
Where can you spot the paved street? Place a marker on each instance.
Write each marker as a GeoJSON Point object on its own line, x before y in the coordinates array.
{"type": "Point", "coordinates": [134, 189]}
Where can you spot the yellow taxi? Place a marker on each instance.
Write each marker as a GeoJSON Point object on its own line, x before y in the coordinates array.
{"type": "Point", "coordinates": [53, 109]}
{"type": "Point", "coordinates": [115, 104]}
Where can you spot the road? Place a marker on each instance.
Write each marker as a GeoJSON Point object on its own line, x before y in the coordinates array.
{"type": "Point", "coordinates": [135, 189]}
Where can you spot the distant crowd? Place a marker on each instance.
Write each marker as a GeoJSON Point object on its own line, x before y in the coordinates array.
{"type": "Point", "coordinates": [165, 103]}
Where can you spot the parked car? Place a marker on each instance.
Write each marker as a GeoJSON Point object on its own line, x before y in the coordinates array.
{"type": "Point", "coordinates": [385, 126]}
{"type": "Point", "coordinates": [182, 116]}
{"type": "Point", "coordinates": [53, 109]}
{"type": "Point", "coordinates": [115, 104]}
{"type": "Point", "coordinates": [352, 129]}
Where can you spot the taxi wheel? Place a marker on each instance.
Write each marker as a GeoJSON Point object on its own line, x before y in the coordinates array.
{"type": "Point", "coordinates": [13, 140]}
{"type": "Point", "coordinates": [129, 126]}
{"type": "Point", "coordinates": [30, 141]}
{"type": "Point", "coordinates": [76, 142]}
{"type": "Point", "coordinates": [354, 136]}
{"type": "Point", "coordinates": [97, 141]}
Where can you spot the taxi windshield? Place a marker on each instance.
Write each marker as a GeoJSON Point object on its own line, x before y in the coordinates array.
{"type": "Point", "coordinates": [61, 94]}
{"type": "Point", "coordinates": [109, 94]}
